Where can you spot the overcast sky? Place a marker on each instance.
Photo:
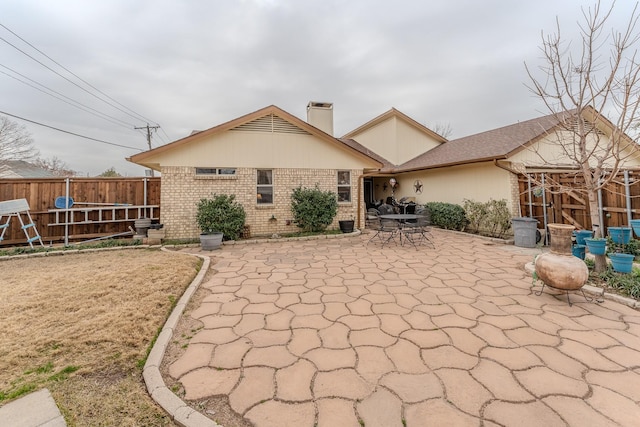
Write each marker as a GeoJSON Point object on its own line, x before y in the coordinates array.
{"type": "Point", "coordinates": [191, 64]}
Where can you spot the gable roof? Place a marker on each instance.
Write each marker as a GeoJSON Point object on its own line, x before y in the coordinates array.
{"type": "Point", "coordinates": [399, 115]}
{"type": "Point", "coordinates": [22, 169]}
{"type": "Point", "coordinates": [387, 166]}
{"type": "Point", "coordinates": [494, 144]}
{"type": "Point", "coordinates": [279, 121]}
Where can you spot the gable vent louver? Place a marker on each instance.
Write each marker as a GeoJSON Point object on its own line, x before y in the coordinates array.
{"type": "Point", "coordinates": [270, 123]}
{"type": "Point", "coordinates": [589, 127]}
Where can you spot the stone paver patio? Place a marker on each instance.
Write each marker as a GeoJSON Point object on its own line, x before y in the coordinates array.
{"type": "Point", "coordinates": [338, 332]}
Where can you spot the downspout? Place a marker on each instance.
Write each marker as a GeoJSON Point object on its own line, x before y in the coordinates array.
{"type": "Point", "coordinates": [360, 186]}
{"type": "Point", "coordinates": [627, 192]}
{"type": "Point", "coordinates": [529, 196]}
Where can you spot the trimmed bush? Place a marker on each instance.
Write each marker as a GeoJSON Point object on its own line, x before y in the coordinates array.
{"type": "Point", "coordinates": [491, 218]}
{"type": "Point", "coordinates": [313, 209]}
{"type": "Point", "coordinates": [447, 215]}
{"type": "Point", "coordinates": [221, 213]}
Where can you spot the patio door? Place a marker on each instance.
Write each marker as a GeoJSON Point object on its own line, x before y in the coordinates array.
{"type": "Point", "coordinates": [369, 199]}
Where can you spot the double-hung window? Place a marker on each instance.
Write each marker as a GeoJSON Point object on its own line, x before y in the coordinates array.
{"type": "Point", "coordinates": [344, 186]}
{"type": "Point", "coordinates": [265, 186]}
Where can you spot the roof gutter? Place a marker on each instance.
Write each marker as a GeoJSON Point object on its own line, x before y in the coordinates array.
{"type": "Point", "coordinates": [495, 163]}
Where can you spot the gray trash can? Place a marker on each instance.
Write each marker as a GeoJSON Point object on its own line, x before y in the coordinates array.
{"type": "Point", "coordinates": [524, 231]}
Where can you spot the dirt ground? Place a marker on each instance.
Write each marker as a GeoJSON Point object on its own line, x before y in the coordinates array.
{"type": "Point", "coordinates": [81, 325]}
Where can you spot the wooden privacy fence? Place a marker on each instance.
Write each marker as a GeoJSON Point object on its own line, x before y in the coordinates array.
{"type": "Point", "coordinates": [619, 201]}
{"type": "Point", "coordinates": [115, 205]}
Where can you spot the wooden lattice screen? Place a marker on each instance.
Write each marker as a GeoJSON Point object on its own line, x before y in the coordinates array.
{"type": "Point", "coordinates": [619, 199]}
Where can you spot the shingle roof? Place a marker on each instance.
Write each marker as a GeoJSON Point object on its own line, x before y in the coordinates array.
{"type": "Point", "coordinates": [387, 165]}
{"type": "Point", "coordinates": [141, 158]}
{"type": "Point", "coordinates": [22, 169]}
{"type": "Point", "coordinates": [493, 144]}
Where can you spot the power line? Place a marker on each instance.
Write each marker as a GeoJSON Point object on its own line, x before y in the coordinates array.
{"type": "Point", "coordinates": [140, 116]}
{"type": "Point", "coordinates": [70, 101]}
{"type": "Point", "coordinates": [68, 132]}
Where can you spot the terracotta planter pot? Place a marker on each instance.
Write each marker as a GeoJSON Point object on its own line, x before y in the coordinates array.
{"type": "Point", "coordinates": [559, 268]}
{"type": "Point", "coordinates": [560, 238]}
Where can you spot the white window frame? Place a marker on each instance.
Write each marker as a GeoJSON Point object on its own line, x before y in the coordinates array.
{"type": "Point", "coordinates": [344, 185]}
{"type": "Point", "coordinates": [211, 171]}
{"type": "Point", "coordinates": [264, 186]}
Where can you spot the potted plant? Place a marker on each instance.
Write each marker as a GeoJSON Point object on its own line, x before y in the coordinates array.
{"type": "Point", "coordinates": [596, 245]}
{"type": "Point", "coordinates": [635, 224]}
{"type": "Point", "coordinates": [622, 255]}
{"type": "Point", "coordinates": [219, 217]}
{"type": "Point", "coordinates": [620, 235]}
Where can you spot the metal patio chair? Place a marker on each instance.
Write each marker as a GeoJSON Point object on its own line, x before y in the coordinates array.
{"type": "Point", "coordinates": [418, 232]}
{"type": "Point", "coordinates": [386, 230]}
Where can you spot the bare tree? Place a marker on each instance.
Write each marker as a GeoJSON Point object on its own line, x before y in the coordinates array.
{"type": "Point", "coordinates": [15, 142]}
{"type": "Point", "coordinates": [443, 129]}
{"type": "Point", "coordinates": [593, 90]}
{"type": "Point", "coordinates": [55, 166]}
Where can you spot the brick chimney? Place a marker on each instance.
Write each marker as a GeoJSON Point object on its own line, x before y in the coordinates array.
{"type": "Point", "coordinates": [320, 115]}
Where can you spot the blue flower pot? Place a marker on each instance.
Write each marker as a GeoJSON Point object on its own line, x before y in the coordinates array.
{"type": "Point", "coordinates": [620, 235]}
{"type": "Point", "coordinates": [635, 224]}
{"type": "Point", "coordinates": [578, 251]}
{"type": "Point", "coordinates": [622, 263]}
{"type": "Point", "coordinates": [596, 246]}
{"type": "Point", "coordinates": [583, 234]}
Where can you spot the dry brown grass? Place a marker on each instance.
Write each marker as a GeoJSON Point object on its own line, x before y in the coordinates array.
{"type": "Point", "coordinates": [81, 324]}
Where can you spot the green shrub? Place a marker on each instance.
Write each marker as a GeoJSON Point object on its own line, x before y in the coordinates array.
{"type": "Point", "coordinates": [313, 209]}
{"type": "Point", "coordinates": [221, 213]}
{"type": "Point", "coordinates": [476, 213]}
{"type": "Point", "coordinates": [447, 215]}
{"type": "Point", "coordinates": [491, 218]}
{"type": "Point", "coordinates": [633, 247]}
{"type": "Point", "coordinates": [625, 283]}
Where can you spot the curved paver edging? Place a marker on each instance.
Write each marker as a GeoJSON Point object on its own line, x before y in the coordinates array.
{"type": "Point", "coordinates": [179, 411]}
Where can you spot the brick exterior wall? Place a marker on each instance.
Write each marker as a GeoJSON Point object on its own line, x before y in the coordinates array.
{"type": "Point", "coordinates": [515, 194]}
{"type": "Point", "coordinates": [182, 189]}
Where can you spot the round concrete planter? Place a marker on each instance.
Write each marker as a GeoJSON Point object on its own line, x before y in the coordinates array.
{"type": "Point", "coordinates": [210, 242]}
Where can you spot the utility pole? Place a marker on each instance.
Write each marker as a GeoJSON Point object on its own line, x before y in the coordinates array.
{"type": "Point", "coordinates": [149, 129]}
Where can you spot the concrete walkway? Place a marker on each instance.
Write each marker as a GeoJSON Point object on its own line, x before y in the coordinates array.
{"type": "Point", "coordinates": [338, 332]}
